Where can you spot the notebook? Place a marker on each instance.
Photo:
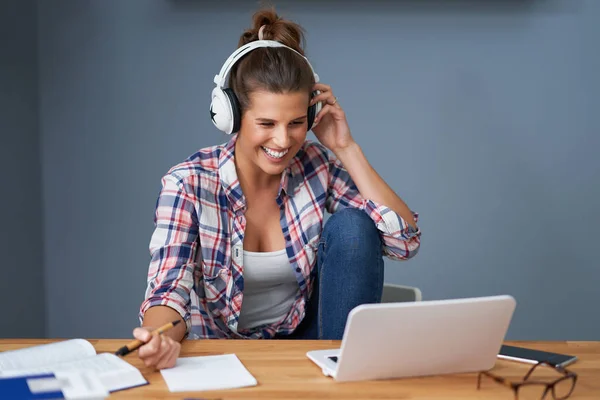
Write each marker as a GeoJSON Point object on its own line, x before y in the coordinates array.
{"type": "Point", "coordinates": [73, 355]}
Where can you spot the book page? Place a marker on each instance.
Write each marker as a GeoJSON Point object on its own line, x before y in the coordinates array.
{"type": "Point", "coordinates": [118, 374]}
{"type": "Point", "coordinates": [114, 373]}
{"type": "Point", "coordinates": [45, 355]}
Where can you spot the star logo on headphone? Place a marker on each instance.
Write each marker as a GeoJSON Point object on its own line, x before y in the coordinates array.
{"type": "Point", "coordinates": [212, 114]}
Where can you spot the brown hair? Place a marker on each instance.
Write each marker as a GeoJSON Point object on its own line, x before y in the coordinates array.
{"type": "Point", "coordinates": [275, 70]}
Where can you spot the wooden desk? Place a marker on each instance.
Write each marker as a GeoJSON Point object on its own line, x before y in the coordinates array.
{"type": "Point", "coordinates": [283, 371]}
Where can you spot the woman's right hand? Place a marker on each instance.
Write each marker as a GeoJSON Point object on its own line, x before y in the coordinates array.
{"type": "Point", "coordinates": [158, 351]}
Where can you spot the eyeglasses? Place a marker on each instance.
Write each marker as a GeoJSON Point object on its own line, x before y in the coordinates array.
{"type": "Point", "coordinates": [561, 388]}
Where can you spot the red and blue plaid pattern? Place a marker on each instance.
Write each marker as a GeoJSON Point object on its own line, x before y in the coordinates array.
{"type": "Point", "coordinates": [197, 244]}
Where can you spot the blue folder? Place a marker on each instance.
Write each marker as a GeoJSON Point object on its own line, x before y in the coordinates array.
{"type": "Point", "coordinates": [33, 387]}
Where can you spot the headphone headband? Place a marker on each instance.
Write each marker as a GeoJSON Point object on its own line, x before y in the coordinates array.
{"type": "Point", "coordinates": [221, 79]}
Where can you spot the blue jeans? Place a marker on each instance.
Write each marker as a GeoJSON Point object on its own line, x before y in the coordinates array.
{"type": "Point", "coordinates": [349, 273]}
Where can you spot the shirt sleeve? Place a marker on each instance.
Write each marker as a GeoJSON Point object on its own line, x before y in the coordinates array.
{"type": "Point", "coordinates": [400, 240]}
{"type": "Point", "coordinates": [173, 247]}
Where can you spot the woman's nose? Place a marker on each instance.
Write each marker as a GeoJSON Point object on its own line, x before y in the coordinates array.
{"type": "Point", "coordinates": [282, 137]}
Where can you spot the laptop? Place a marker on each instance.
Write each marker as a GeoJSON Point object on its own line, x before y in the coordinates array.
{"type": "Point", "coordinates": [400, 340]}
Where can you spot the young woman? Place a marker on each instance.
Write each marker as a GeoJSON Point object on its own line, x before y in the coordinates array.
{"type": "Point", "coordinates": [241, 249]}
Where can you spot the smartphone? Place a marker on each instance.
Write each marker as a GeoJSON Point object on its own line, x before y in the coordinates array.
{"type": "Point", "coordinates": [532, 356]}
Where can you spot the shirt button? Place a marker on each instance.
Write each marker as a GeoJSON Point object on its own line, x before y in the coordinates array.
{"type": "Point", "coordinates": [238, 253]}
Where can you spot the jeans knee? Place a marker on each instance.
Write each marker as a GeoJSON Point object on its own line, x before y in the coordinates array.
{"type": "Point", "coordinates": [351, 267]}
{"type": "Point", "coordinates": [352, 228]}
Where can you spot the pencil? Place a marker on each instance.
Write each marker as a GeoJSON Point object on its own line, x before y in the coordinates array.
{"type": "Point", "coordinates": [135, 344]}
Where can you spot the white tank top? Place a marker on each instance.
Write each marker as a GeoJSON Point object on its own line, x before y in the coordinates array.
{"type": "Point", "coordinates": [270, 288]}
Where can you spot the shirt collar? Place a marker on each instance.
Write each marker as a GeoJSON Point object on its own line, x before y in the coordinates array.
{"type": "Point", "coordinates": [228, 176]}
{"type": "Point", "coordinates": [231, 183]}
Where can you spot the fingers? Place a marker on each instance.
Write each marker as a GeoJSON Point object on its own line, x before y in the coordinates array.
{"type": "Point", "coordinates": [326, 97]}
{"type": "Point", "coordinates": [336, 112]}
{"type": "Point", "coordinates": [152, 357]}
{"type": "Point", "coordinates": [175, 355]}
{"type": "Point", "coordinates": [152, 346]}
{"type": "Point", "coordinates": [322, 87]}
{"type": "Point", "coordinates": [166, 348]}
{"type": "Point", "coordinates": [150, 353]}
{"type": "Point", "coordinates": [159, 352]}
{"type": "Point", "coordinates": [170, 358]}
{"type": "Point", "coordinates": [142, 334]}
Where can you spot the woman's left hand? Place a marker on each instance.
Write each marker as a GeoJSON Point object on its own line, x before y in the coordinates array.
{"type": "Point", "coordinates": [331, 128]}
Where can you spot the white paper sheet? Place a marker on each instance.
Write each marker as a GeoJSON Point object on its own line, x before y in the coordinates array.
{"type": "Point", "coordinates": [207, 373]}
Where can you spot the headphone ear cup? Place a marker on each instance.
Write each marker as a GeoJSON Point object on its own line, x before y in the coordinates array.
{"type": "Point", "coordinates": [236, 110]}
{"type": "Point", "coordinates": [220, 111]}
{"type": "Point", "coordinates": [313, 111]}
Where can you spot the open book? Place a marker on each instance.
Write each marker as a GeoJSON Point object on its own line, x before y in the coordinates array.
{"type": "Point", "coordinates": [71, 355]}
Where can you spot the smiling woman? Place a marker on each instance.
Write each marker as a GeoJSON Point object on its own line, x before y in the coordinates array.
{"type": "Point", "coordinates": [273, 130]}
{"type": "Point", "coordinates": [240, 248]}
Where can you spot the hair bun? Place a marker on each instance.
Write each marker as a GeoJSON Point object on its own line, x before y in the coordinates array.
{"type": "Point", "coordinates": [275, 28]}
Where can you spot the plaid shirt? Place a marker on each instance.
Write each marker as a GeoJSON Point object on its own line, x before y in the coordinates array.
{"type": "Point", "coordinates": [197, 245]}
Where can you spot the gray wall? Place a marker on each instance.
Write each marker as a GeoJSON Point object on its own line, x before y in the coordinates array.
{"type": "Point", "coordinates": [481, 114]}
{"type": "Point", "coordinates": [21, 282]}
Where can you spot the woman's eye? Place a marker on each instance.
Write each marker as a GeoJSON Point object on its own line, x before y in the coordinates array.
{"type": "Point", "coordinates": [270, 124]}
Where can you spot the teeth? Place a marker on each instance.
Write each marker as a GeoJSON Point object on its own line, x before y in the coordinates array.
{"type": "Point", "coordinates": [275, 154]}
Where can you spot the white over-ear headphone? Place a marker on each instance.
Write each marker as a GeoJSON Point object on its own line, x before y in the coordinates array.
{"type": "Point", "coordinates": [225, 110]}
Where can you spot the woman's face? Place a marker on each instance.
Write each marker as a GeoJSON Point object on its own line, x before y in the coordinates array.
{"type": "Point", "coordinates": [273, 129]}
